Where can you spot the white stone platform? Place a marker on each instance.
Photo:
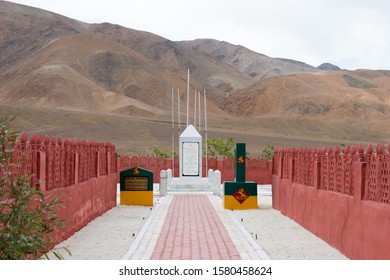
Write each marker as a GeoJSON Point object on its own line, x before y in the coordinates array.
{"type": "Point", "coordinates": [190, 185]}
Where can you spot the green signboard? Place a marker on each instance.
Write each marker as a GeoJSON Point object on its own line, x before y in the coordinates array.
{"type": "Point", "coordinates": [136, 179]}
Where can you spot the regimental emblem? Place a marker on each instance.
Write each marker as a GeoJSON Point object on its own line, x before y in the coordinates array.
{"type": "Point", "coordinates": [136, 171]}
{"type": "Point", "coordinates": [240, 159]}
{"type": "Point", "coordinates": [241, 195]}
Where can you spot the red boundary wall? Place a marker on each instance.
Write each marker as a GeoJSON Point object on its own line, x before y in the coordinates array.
{"type": "Point", "coordinates": [81, 173]}
{"type": "Point", "coordinates": [341, 196]}
{"type": "Point", "coordinates": [84, 174]}
{"type": "Point", "coordinates": [258, 170]}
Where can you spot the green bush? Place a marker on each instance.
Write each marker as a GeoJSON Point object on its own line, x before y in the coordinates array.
{"type": "Point", "coordinates": [157, 152]}
{"type": "Point", "coordinates": [220, 147]}
{"type": "Point", "coordinates": [268, 152]}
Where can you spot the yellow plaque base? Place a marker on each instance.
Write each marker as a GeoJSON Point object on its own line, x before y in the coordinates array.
{"type": "Point", "coordinates": [136, 198]}
{"type": "Point", "coordinates": [229, 202]}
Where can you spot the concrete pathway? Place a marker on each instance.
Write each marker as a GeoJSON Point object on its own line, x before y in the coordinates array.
{"type": "Point", "coordinates": [195, 226]}
{"type": "Point", "coordinates": [192, 227]}
{"type": "Point", "coordinates": [194, 231]}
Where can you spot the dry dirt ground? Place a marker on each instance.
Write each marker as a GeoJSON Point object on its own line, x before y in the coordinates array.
{"type": "Point", "coordinates": [135, 135]}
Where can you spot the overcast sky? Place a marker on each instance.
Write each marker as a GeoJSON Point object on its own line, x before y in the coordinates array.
{"type": "Point", "coordinates": [352, 34]}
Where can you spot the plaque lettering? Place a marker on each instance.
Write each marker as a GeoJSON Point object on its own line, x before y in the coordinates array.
{"type": "Point", "coordinates": [190, 159]}
{"type": "Point", "coordinates": [136, 183]}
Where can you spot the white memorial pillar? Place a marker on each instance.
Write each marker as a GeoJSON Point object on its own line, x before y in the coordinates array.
{"type": "Point", "coordinates": [217, 182]}
{"type": "Point", "coordinates": [169, 177]}
{"type": "Point", "coordinates": [163, 182]}
{"type": "Point", "coordinates": [190, 153]}
{"type": "Point", "coordinates": [211, 178]}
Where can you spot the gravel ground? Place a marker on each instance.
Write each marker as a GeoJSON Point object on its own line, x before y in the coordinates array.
{"type": "Point", "coordinates": [104, 237]}
{"type": "Point", "coordinates": [280, 237]}
{"type": "Point", "coordinates": [110, 236]}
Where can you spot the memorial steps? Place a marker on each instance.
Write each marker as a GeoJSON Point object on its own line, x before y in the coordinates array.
{"type": "Point", "coordinates": [190, 185]}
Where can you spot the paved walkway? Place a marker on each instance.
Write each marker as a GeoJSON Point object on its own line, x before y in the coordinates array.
{"type": "Point", "coordinates": [194, 231]}
{"type": "Point", "coordinates": [192, 227]}
{"type": "Point", "coordinates": [195, 226]}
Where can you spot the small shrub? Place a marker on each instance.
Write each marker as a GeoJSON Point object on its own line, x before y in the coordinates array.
{"type": "Point", "coordinates": [220, 147]}
{"type": "Point", "coordinates": [268, 152]}
{"type": "Point", "coordinates": [157, 152]}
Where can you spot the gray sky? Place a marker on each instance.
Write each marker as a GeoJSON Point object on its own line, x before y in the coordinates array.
{"type": "Point", "coordinates": [352, 34]}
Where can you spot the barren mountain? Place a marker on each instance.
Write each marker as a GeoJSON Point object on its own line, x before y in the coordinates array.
{"type": "Point", "coordinates": [64, 63]}
{"type": "Point", "coordinates": [328, 66]}
{"type": "Point", "coordinates": [339, 95]}
{"type": "Point", "coordinates": [111, 83]}
{"type": "Point", "coordinates": [258, 66]}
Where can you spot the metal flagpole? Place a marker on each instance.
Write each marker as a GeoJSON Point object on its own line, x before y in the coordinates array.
{"type": "Point", "coordinates": [195, 110]}
{"type": "Point", "coordinates": [188, 92]}
{"type": "Point", "coordinates": [173, 134]}
{"type": "Point", "coordinates": [178, 110]}
{"type": "Point", "coordinates": [205, 127]}
{"type": "Point", "coordinates": [178, 122]}
{"type": "Point", "coordinates": [199, 123]}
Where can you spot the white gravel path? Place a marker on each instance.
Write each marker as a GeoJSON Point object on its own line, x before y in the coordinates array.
{"type": "Point", "coordinates": [110, 236]}
{"type": "Point", "coordinates": [107, 237]}
{"type": "Point", "coordinates": [279, 236]}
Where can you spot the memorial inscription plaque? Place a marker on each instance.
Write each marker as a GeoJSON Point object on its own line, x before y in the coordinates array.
{"type": "Point", "coordinates": [190, 159]}
{"type": "Point", "coordinates": [136, 183]}
{"type": "Point", "coordinates": [136, 187]}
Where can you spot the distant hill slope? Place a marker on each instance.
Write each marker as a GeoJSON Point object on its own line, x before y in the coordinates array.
{"type": "Point", "coordinates": [105, 81]}
{"type": "Point", "coordinates": [258, 66]}
{"type": "Point", "coordinates": [341, 96]}
{"type": "Point", "coordinates": [25, 30]}
{"type": "Point", "coordinates": [328, 66]}
{"type": "Point", "coordinates": [51, 60]}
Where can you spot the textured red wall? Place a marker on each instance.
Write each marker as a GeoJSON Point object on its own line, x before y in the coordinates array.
{"type": "Point", "coordinates": [356, 226]}
{"type": "Point", "coordinates": [82, 174]}
{"type": "Point", "coordinates": [83, 202]}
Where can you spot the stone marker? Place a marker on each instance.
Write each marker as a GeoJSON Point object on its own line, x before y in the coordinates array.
{"type": "Point", "coordinates": [164, 182]}
{"type": "Point", "coordinates": [240, 194]}
{"type": "Point", "coordinates": [190, 153]}
{"type": "Point", "coordinates": [217, 182]}
{"type": "Point", "coordinates": [136, 187]}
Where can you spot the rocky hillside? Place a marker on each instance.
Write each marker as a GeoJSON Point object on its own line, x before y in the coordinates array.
{"type": "Point", "coordinates": [64, 63]}
{"type": "Point", "coordinates": [339, 95]}
{"type": "Point", "coordinates": [102, 80]}
{"type": "Point", "coordinates": [255, 65]}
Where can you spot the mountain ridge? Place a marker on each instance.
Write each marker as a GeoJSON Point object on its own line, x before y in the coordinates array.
{"type": "Point", "coordinates": [246, 61]}
{"type": "Point", "coordinates": [125, 78]}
